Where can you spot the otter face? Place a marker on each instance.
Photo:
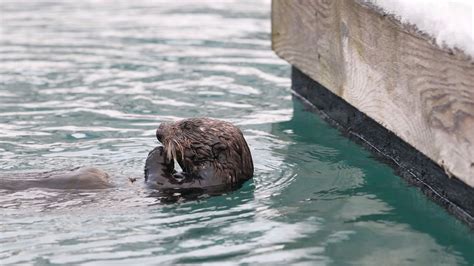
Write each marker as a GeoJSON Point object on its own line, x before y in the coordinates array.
{"type": "Point", "coordinates": [162, 131]}
{"type": "Point", "coordinates": [170, 135]}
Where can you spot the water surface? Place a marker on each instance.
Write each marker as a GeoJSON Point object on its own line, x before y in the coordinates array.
{"type": "Point", "coordinates": [87, 82]}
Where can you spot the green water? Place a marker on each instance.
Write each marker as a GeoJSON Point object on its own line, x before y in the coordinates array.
{"type": "Point", "coordinates": [87, 82]}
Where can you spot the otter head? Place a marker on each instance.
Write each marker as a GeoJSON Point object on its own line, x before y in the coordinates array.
{"type": "Point", "coordinates": [202, 145]}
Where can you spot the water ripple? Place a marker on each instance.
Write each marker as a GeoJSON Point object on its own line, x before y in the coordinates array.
{"type": "Point", "coordinates": [87, 83]}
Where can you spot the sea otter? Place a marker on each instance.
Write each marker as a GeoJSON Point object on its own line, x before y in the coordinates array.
{"type": "Point", "coordinates": [210, 152]}
{"type": "Point", "coordinates": [77, 178]}
{"type": "Point", "coordinates": [213, 154]}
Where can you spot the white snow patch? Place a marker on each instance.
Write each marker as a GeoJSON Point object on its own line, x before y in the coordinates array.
{"type": "Point", "coordinates": [450, 22]}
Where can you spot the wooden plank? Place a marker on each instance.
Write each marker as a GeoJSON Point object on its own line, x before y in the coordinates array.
{"type": "Point", "coordinates": [395, 75]}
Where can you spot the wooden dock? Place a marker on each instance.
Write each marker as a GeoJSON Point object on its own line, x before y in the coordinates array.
{"type": "Point", "coordinates": [396, 76]}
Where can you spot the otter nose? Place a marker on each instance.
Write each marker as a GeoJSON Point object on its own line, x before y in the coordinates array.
{"type": "Point", "coordinates": [159, 134]}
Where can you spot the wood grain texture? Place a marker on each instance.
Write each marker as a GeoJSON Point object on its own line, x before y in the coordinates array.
{"type": "Point", "coordinates": [389, 71]}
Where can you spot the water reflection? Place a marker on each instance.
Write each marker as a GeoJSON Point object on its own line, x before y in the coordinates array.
{"type": "Point", "coordinates": [358, 198]}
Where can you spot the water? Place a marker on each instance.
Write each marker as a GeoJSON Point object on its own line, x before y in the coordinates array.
{"type": "Point", "coordinates": [87, 82]}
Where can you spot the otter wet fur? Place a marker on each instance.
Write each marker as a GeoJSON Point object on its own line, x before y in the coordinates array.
{"type": "Point", "coordinates": [210, 152]}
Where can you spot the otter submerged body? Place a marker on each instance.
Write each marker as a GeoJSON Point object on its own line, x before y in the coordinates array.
{"type": "Point", "coordinates": [212, 154]}
{"type": "Point", "coordinates": [78, 178]}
